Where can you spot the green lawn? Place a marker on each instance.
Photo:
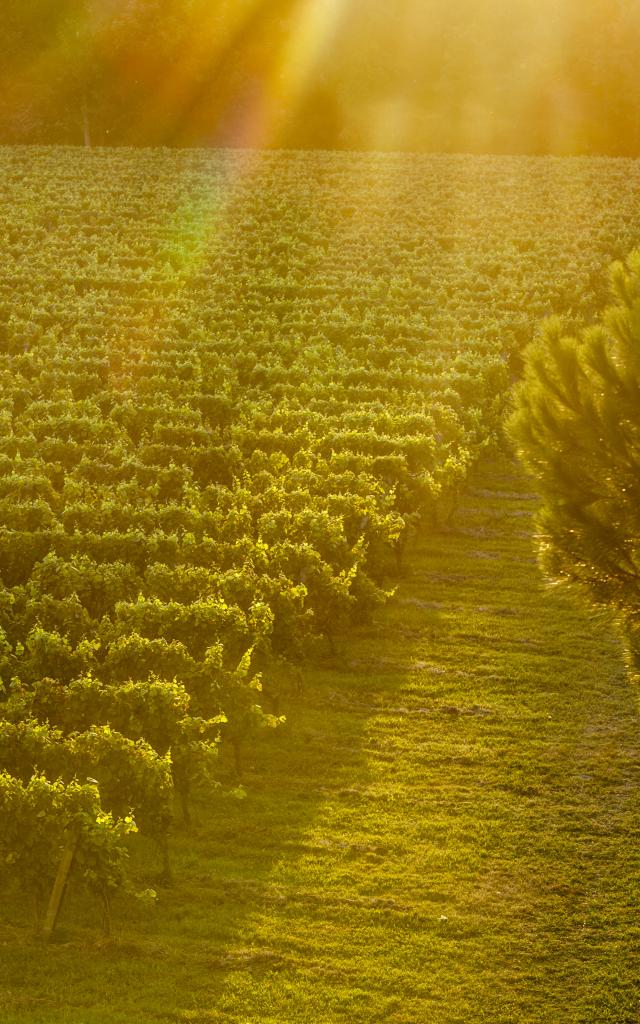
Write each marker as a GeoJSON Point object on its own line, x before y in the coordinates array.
{"type": "Point", "coordinates": [446, 830]}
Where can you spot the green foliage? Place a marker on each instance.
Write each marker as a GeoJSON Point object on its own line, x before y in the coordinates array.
{"type": "Point", "coordinates": [577, 426]}
{"type": "Point", "coordinates": [41, 817]}
{"type": "Point", "coordinates": [130, 773]}
{"type": "Point", "coordinates": [155, 710]}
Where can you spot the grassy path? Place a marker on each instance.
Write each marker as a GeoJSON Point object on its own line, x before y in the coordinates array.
{"type": "Point", "coordinates": [446, 831]}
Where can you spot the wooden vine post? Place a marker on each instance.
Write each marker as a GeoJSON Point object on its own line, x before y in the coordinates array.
{"type": "Point", "coordinates": [59, 886]}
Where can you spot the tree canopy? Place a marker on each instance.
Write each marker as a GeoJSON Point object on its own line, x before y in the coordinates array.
{"type": "Point", "coordinates": [576, 424]}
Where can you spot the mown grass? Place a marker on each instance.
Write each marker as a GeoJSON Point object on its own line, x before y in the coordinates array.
{"type": "Point", "coordinates": [446, 830]}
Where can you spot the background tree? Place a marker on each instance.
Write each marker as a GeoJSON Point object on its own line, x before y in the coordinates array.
{"type": "Point", "coordinates": [552, 76]}
{"type": "Point", "coordinates": [576, 425]}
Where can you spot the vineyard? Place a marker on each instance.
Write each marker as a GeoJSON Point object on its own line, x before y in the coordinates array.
{"type": "Point", "coordinates": [235, 390]}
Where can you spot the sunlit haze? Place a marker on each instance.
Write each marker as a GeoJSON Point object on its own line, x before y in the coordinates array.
{"type": "Point", "coordinates": [494, 76]}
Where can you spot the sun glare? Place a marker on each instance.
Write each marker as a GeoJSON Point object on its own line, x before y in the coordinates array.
{"type": "Point", "coordinates": [417, 75]}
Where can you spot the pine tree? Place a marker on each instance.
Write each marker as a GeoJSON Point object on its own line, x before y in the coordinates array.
{"type": "Point", "coordinates": [576, 425]}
